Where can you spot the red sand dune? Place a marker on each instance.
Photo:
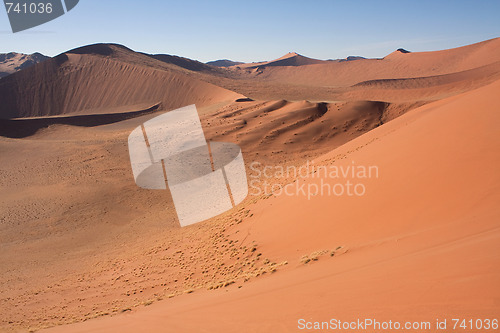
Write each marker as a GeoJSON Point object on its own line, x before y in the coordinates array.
{"type": "Point", "coordinates": [289, 59]}
{"type": "Point", "coordinates": [428, 76]}
{"type": "Point", "coordinates": [424, 242]}
{"type": "Point", "coordinates": [97, 78]}
{"type": "Point", "coordinates": [397, 65]}
{"type": "Point", "coordinates": [264, 129]}
{"type": "Point", "coordinates": [94, 78]}
{"type": "Point", "coordinates": [80, 240]}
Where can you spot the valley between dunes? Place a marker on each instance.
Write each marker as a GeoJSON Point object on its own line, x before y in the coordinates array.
{"type": "Point", "coordinates": [83, 249]}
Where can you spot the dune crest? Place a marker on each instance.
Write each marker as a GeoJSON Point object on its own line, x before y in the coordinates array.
{"type": "Point", "coordinates": [99, 77]}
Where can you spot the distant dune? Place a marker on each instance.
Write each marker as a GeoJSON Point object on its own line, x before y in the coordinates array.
{"type": "Point", "coordinates": [101, 76]}
{"type": "Point", "coordinates": [224, 63]}
{"type": "Point", "coordinates": [352, 58]}
{"type": "Point", "coordinates": [289, 59]}
{"type": "Point", "coordinates": [332, 76]}
{"type": "Point", "coordinates": [186, 63]}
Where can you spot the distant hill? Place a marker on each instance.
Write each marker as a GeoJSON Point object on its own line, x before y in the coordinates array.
{"type": "Point", "coordinates": [352, 58]}
{"type": "Point", "coordinates": [13, 62]}
{"type": "Point", "coordinates": [291, 59]}
{"type": "Point", "coordinates": [101, 77]}
{"type": "Point", "coordinates": [224, 63]}
{"type": "Point", "coordinates": [186, 63]}
{"type": "Point", "coordinates": [403, 51]}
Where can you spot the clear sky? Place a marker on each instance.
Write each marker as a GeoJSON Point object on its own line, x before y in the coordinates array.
{"type": "Point", "coordinates": [262, 30]}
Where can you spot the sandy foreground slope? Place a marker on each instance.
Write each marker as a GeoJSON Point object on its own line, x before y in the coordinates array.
{"type": "Point", "coordinates": [422, 244]}
{"type": "Point", "coordinates": [80, 240]}
{"type": "Point", "coordinates": [76, 232]}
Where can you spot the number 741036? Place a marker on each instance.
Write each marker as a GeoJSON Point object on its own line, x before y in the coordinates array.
{"type": "Point", "coordinates": [32, 8]}
{"type": "Point", "coordinates": [478, 324]}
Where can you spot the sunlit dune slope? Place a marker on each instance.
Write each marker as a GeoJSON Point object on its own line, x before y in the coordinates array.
{"type": "Point", "coordinates": [422, 243]}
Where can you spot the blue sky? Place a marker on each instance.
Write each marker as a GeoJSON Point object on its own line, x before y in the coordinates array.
{"type": "Point", "coordinates": [262, 30]}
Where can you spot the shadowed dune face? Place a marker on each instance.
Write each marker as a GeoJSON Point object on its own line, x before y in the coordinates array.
{"type": "Point", "coordinates": [80, 240]}
{"type": "Point", "coordinates": [25, 127]}
{"type": "Point", "coordinates": [293, 130]}
{"type": "Point", "coordinates": [224, 63]}
{"type": "Point", "coordinates": [98, 80]}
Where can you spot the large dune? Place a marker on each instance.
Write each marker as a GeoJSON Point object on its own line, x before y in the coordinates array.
{"type": "Point", "coordinates": [426, 76]}
{"type": "Point", "coordinates": [100, 77]}
{"type": "Point", "coordinates": [422, 244]}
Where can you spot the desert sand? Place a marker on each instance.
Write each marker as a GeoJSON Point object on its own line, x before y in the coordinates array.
{"type": "Point", "coordinates": [85, 250]}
